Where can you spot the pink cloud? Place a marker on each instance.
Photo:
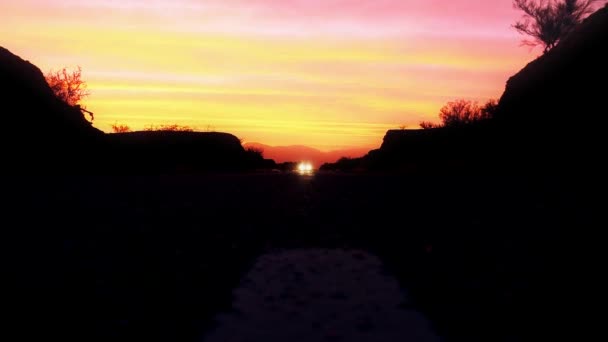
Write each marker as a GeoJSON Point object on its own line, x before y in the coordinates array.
{"type": "Point", "coordinates": [301, 18]}
{"type": "Point", "coordinates": [392, 16]}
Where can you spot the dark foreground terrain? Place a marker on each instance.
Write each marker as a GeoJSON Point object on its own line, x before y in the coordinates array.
{"type": "Point", "coordinates": [99, 258]}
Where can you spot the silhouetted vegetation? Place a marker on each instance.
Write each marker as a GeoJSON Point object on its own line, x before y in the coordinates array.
{"type": "Point", "coordinates": [255, 151]}
{"type": "Point", "coordinates": [68, 85]}
{"type": "Point", "coordinates": [548, 21]}
{"type": "Point", "coordinates": [70, 88]}
{"type": "Point", "coordinates": [463, 112]}
{"type": "Point", "coordinates": [169, 128]}
{"type": "Point", "coordinates": [255, 156]}
{"type": "Point", "coordinates": [120, 128]}
{"type": "Point", "coordinates": [429, 125]}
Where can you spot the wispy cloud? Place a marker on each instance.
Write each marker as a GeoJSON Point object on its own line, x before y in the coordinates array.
{"type": "Point", "coordinates": [276, 71]}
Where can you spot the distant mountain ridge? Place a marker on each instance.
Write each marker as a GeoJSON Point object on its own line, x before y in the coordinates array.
{"type": "Point", "coordinates": [295, 153]}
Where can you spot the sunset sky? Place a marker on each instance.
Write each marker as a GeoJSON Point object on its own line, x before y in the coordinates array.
{"type": "Point", "coordinates": [324, 73]}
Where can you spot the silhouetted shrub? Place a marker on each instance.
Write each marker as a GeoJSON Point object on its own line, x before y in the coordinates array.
{"type": "Point", "coordinates": [68, 85]}
{"type": "Point", "coordinates": [428, 125]}
{"type": "Point", "coordinates": [169, 128]}
{"type": "Point", "coordinates": [489, 109]}
{"type": "Point", "coordinates": [120, 128]}
{"type": "Point", "coordinates": [462, 112]}
{"type": "Point", "coordinates": [255, 153]}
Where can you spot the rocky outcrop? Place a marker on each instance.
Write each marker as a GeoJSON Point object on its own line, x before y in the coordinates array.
{"type": "Point", "coordinates": [539, 118]}
{"type": "Point", "coordinates": [153, 151]}
{"type": "Point", "coordinates": [395, 138]}
{"type": "Point", "coordinates": [429, 148]}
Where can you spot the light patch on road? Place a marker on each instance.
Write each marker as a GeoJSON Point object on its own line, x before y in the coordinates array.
{"type": "Point", "coordinates": [320, 295]}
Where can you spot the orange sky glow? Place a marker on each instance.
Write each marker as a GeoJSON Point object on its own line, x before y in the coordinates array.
{"type": "Point", "coordinates": [329, 74]}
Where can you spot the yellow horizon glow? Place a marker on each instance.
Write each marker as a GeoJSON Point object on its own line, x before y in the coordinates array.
{"type": "Point", "coordinates": [314, 79]}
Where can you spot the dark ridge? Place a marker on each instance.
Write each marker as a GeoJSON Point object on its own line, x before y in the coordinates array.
{"type": "Point", "coordinates": [43, 133]}
{"type": "Point", "coordinates": [425, 150]}
{"type": "Point", "coordinates": [539, 117]}
{"type": "Point", "coordinates": [166, 151]}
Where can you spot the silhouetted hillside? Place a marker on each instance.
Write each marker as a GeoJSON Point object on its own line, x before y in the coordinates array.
{"type": "Point", "coordinates": [565, 85]}
{"type": "Point", "coordinates": [554, 103]}
{"type": "Point", "coordinates": [545, 119]}
{"type": "Point", "coordinates": [39, 128]}
{"type": "Point", "coordinates": [42, 133]}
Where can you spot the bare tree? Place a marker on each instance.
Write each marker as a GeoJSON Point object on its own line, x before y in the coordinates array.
{"type": "Point", "coordinates": [68, 85]}
{"type": "Point", "coordinates": [548, 21]}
